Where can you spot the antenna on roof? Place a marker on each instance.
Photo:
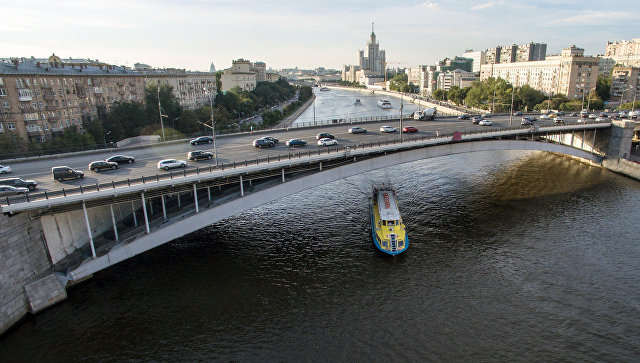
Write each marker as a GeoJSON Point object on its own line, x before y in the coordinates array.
{"type": "Point", "coordinates": [372, 28]}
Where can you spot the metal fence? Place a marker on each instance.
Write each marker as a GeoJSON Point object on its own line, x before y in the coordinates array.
{"type": "Point", "coordinates": [88, 188]}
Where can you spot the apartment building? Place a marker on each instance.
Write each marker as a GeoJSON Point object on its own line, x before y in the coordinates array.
{"type": "Point", "coordinates": [458, 78]}
{"type": "Point", "coordinates": [570, 73]}
{"type": "Point", "coordinates": [39, 97]}
{"type": "Point", "coordinates": [245, 75]}
{"type": "Point", "coordinates": [624, 52]}
{"type": "Point", "coordinates": [425, 77]}
{"type": "Point", "coordinates": [478, 58]}
{"type": "Point", "coordinates": [625, 84]}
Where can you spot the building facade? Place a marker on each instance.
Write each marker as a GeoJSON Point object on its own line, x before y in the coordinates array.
{"type": "Point", "coordinates": [371, 65]}
{"type": "Point", "coordinates": [457, 78]}
{"type": "Point", "coordinates": [624, 52]}
{"type": "Point", "coordinates": [625, 82]}
{"type": "Point", "coordinates": [605, 65]}
{"type": "Point", "coordinates": [570, 73]}
{"type": "Point", "coordinates": [477, 57]}
{"type": "Point", "coordinates": [531, 52]}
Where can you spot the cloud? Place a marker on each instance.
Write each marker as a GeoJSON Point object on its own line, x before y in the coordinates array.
{"type": "Point", "coordinates": [483, 6]}
{"type": "Point", "coordinates": [594, 17]}
{"type": "Point", "coordinates": [428, 5]}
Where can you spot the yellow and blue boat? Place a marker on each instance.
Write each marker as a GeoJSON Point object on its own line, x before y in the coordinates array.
{"type": "Point", "coordinates": [387, 228]}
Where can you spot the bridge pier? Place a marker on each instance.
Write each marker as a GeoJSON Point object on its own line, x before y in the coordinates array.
{"type": "Point", "coordinates": [621, 134]}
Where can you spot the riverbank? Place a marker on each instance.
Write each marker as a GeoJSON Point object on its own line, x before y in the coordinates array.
{"type": "Point", "coordinates": [291, 118]}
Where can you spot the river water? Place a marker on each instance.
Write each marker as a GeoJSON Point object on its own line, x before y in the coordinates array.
{"type": "Point", "coordinates": [514, 256]}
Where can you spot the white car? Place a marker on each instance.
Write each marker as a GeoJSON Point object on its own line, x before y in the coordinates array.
{"type": "Point", "coordinates": [600, 119]}
{"type": "Point", "coordinates": [387, 129]}
{"type": "Point", "coordinates": [593, 115]}
{"type": "Point", "coordinates": [5, 169]}
{"type": "Point", "coordinates": [544, 117]}
{"type": "Point", "coordinates": [327, 142]}
{"type": "Point", "coordinates": [484, 123]}
{"type": "Point", "coordinates": [171, 163]}
{"type": "Point", "coordinates": [357, 130]}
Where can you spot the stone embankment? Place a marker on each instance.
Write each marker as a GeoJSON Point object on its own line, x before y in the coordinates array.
{"type": "Point", "coordinates": [289, 119]}
{"type": "Point", "coordinates": [623, 166]}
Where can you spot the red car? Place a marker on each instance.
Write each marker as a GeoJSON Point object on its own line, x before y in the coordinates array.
{"type": "Point", "coordinates": [409, 129]}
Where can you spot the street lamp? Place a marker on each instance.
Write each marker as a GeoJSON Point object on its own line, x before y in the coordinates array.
{"type": "Point", "coordinates": [104, 138]}
{"type": "Point", "coordinates": [589, 97]}
{"type": "Point", "coordinates": [213, 126]}
{"type": "Point", "coordinates": [513, 92]}
{"type": "Point", "coordinates": [160, 112]}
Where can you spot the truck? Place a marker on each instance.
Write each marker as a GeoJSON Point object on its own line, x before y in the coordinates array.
{"type": "Point", "coordinates": [427, 114]}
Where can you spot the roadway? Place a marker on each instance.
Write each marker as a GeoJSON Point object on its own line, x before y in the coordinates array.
{"type": "Point", "coordinates": [234, 148]}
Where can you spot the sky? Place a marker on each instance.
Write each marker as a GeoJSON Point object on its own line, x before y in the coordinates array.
{"type": "Point", "coordinates": [192, 34]}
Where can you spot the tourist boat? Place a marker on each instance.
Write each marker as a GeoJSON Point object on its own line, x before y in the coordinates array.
{"type": "Point", "coordinates": [384, 103]}
{"type": "Point", "coordinates": [357, 102]}
{"type": "Point", "coordinates": [324, 89]}
{"type": "Point", "coordinates": [387, 228]}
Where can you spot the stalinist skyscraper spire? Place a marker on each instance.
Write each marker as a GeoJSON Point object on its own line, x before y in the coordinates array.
{"type": "Point", "coordinates": [374, 59]}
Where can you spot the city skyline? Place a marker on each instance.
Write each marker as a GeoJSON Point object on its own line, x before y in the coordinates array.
{"type": "Point", "coordinates": [286, 34]}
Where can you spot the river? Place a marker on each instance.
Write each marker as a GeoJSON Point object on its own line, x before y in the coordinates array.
{"type": "Point", "coordinates": [514, 256]}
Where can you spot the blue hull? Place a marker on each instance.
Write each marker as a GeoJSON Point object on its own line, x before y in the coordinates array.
{"type": "Point", "coordinates": [376, 241]}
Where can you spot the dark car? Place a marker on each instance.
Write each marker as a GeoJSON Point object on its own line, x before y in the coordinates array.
{"type": "Point", "coordinates": [270, 138]}
{"type": "Point", "coordinates": [121, 159]}
{"type": "Point", "coordinates": [102, 165]}
{"type": "Point", "coordinates": [529, 118]}
{"type": "Point", "coordinates": [6, 190]}
{"type": "Point", "coordinates": [199, 155]}
{"type": "Point", "coordinates": [464, 117]}
{"type": "Point", "coordinates": [574, 114]}
{"type": "Point", "coordinates": [409, 129]}
{"type": "Point", "coordinates": [19, 183]}
{"type": "Point", "coordinates": [263, 143]}
{"type": "Point", "coordinates": [476, 120]}
{"type": "Point", "coordinates": [526, 122]}
{"type": "Point", "coordinates": [60, 173]}
{"type": "Point", "coordinates": [296, 142]}
{"type": "Point", "coordinates": [202, 140]}
{"type": "Point", "coordinates": [518, 113]}
{"type": "Point", "coordinates": [324, 135]}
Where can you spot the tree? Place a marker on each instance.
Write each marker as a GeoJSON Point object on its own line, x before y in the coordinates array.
{"type": "Point", "coordinates": [11, 143]}
{"type": "Point", "coordinates": [440, 94]}
{"type": "Point", "coordinates": [603, 87]}
{"type": "Point", "coordinates": [305, 93]}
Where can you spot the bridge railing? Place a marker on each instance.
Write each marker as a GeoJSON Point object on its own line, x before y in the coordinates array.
{"type": "Point", "coordinates": [181, 173]}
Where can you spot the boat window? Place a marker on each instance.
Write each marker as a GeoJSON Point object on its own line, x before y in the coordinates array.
{"type": "Point", "coordinates": [390, 223]}
{"type": "Point", "coordinates": [384, 223]}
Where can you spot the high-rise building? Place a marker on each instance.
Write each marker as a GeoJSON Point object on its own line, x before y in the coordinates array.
{"type": "Point", "coordinates": [624, 52]}
{"type": "Point", "coordinates": [625, 84]}
{"type": "Point", "coordinates": [531, 52]}
{"type": "Point", "coordinates": [516, 53]}
{"type": "Point", "coordinates": [508, 53]}
{"type": "Point", "coordinates": [570, 73]}
{"type": "Point", "coordinates": [478, 57]}
{"type": "Point", "coordinates": [374, 60]}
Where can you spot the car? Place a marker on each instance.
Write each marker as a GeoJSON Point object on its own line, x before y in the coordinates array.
{"type": "Point", "coordinates": [121, 159]}
{"type": "Point", "coordinates": [357, 130]}
{"type": "Point", "coordinates": [530, 118]}
{"type": "Point", "coordinates": [544, 117]}
{"type": "Point", "coordinates": [270, 138]}
{"type": "Point", "coordinates": [387, 129]}
{"type": "Point", "coordinates": [603, 114]}
{"type": "Point", "coordinates": [296, 142]}
{"type": "Point", "coordinates": [167, 164]}
{"type": "Point", "coordinates": [19, 183]}
{"type": "Point", "coordinates": [324, 135]}
{"type": "Point", "coordinates": [61, 173]}
{"type": "Point", "coordinates": [7, 190]}
{"type": "Point", "coordinates": [263, 143]}
{"type": "Point", "coordinates": [409, 129]}
{"type": "Point", "coordinates": [518, 113]}
{"type": "Point", "coordinates": [484, 123]}
{"type": "Point", "coordinates": [199, 155]}
{"type": "Point", "coordinates": [558, 120]}
{"type": "Point", "coordinates": [487, 115]}
{"type": "Point", "coordinates": [464, 117]}
{"type": "Point", "coordinates": [327, 142]}
{"type": "Point", "coordinates": [593, 115]}
{"type": "Point", "coordinates": [560, 113]}
{"type": "Point", "coordinates": [526, 122]}
{"type": "Point", "coordinates": [573, 114]}
{"type": "Point", "coordinates": [476, 120]}
{"type": "Point", "coordinates": [601, 119]}
{"type": "Point", "coordinates": [581, 120]}
{"type": "Point", "coordinates": [5, 169]}
{"type": "Point", "coordinates": [102, 165]}
{"type": "Point", "coordinates": [201, 140]}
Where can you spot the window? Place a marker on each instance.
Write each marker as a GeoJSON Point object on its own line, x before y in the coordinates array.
{"type": "Point", "coordinates": [39, 104]}
{"type": "Point", "coordinates": [3, 93]}
{"type": "Point", "coordinates": [5, 104]}
{"type": "Point", "coordinates": [11, 126]}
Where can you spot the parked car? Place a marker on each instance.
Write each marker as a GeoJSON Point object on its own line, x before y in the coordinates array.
{"type": "Point", "coordinates": [121, 159]}
{"type": "Point", "coordinates": [199, 155]}
{"type": "Point", "coordinates": [324, 135]}
{"type": "Point", "coordinates": [61, 173]}
{"type": "Point", "coordinates": [167, 164]}
{"type": "Point", "coordinates": [5, 169]}
{"type": "Point", "coordinates": [526, 122]}
{"type": "Point", "coordinates": [19, 183]}
{"type": "Point", "coordinates": [409, 129]}
{"type": "Point", "coordinates": [357, 130]}
{"type": "Point", "coordinates": [518, 113]}
{"type": "Point", "coordinates": [296, 142]}
{"type": "Point", "coordinates": [270, 138]}
{"type": "Point", "coordinates": [327, 142]}
{"type": "Point", "coordinates": [387, 129]}
{"type": "Point", "coordinates": [464, 117]}
{"type": "Point", "coordinates": [102, 165]}
{"type": "Point", "coordinates": [476, 120]}
{"type": "Point", "coordinates": [263, 143]}
{"type": "Point", "coordinates": [201, 140]}
{"type": "Point", "coordinates": [559, 120]}
{"type": "Point", "coordinates": [6, 190]}
{"type": "Point", "coordinates": [484, 123]}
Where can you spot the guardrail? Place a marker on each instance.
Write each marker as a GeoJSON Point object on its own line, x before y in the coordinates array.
{"type": "Point", "coordinates": [115, 184]}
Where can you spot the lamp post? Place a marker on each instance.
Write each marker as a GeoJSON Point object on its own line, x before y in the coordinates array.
{"type": "Point", "coordinates": [513, 92]}
{"type": "Point", "coordinates": [213, 126]}
{"type": "Point", "coordinates": [160, 112]}
{"type": "Point", "coordinates": [633, 105]}
{"type": "Point", "coordinates": [104, 138]}
{"type": "Point", "coordinates": [589, 97]}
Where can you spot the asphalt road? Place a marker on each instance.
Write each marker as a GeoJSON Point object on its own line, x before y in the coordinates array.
{"type": "Point", "coordinates": [232, 148]}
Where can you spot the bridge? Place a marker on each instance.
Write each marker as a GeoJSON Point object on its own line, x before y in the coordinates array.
{"type": "Point", "coordinates": [59, 238]}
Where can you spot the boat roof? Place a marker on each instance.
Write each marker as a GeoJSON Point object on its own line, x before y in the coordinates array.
{"type": "Point", "coordinates": [387, 205]}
